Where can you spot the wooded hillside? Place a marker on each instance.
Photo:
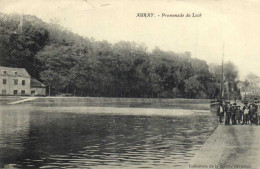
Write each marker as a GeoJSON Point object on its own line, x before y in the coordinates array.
{"type": "Point", "coordinates": [69, 63]}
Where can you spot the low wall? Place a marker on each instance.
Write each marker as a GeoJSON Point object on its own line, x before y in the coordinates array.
{"type": "Point", "coordinates": [109, 99]}
{"type": "Point", "coordinates": [7, 99]}
{"type": "Point", "coordinates": [202, 104]}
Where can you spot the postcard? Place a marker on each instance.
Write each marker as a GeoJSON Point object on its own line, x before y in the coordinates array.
{"type": "Point", "coordinates": [131, 84]}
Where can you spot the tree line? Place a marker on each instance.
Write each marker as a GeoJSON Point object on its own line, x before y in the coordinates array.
{"type": "Point", "coordinates": [69, 63]}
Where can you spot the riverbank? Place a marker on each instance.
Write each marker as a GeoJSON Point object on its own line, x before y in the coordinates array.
{"type": "Point", "coordinates": [230, 147]}
{"type": "Point", "coordinates": [197, 104]}
{"type": "Point", "coordinates": [6, 100]}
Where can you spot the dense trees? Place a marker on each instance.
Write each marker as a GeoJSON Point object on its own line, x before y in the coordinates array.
{"type": "Point", "coordinates": [230, 72]}
{"type": "Point", "coordinates": [19, 50]}
{"type": "Point", "coordinates": [69, 63]}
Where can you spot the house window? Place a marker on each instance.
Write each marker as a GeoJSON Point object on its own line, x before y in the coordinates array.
{"type": "Point", "coordinates": [23, 82]}
{"type": "Point", "coordinates": [23, 92]}
{"type": "Point", "coordinates": [3, 92]}
{"type": "Point", "coordinates": [15, 81]}
{"type": "Point", "coordinates": [4, 81]}
{"type": "Point", "coordinates": [15, 92]}
{"type": "Point", "coordinates": [33, 92]}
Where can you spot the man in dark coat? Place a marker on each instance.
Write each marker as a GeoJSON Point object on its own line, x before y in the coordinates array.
{"type": "Point", "coordinates": [245, 113]}
{"type": "Point", "coordinates": [239, 115]}
{"type": "Point", "coordinates": [256, 119]}
{"type": "Point", "coordinates": [221, 112]}
{"type": "Point", "coordinates": [234, 112]}
{"type": "Point", "coordinates": [252, 112]}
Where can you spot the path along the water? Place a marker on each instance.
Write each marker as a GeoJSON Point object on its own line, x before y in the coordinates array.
{"type": "Point", "coordinates": [24, 100]}
{"type": "Point", "coordinates": [236, 146]}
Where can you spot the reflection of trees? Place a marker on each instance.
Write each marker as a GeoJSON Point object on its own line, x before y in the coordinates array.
{"type": "Point", "coordinates": [14, 129]}
{"type": "Point", "coordinates": [103, 138]}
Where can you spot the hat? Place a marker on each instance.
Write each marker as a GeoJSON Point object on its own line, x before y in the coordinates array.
{"type": "Point", "coordinates": [234, 104]}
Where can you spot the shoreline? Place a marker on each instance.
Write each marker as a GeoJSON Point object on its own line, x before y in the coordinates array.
{"type": "Point", "coordinates": [157, 103]}
{"type": "Point", "coordinates": [122, 111]}
{"type": "Point", "coordinates": [110, 98]}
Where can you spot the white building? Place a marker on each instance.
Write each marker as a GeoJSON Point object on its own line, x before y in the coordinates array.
{"type": "Point", "coordinates": [17, 81]}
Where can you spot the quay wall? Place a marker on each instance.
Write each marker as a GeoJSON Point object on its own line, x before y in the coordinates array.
{"type": "Point", "coordinates": [110, 99]}
{"type": "Point", "coordinates": [197, 104]}
{"type": "Point", "coordinates": [7, 99]}
{"type": "Point", "coordinates": [201, 104]}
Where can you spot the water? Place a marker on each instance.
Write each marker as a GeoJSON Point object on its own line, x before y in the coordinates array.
{"type": "Point", "coordinates": [36, 138]}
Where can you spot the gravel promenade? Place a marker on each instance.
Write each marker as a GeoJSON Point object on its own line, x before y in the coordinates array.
{"type": "Point", "coordinates": [235, 146]}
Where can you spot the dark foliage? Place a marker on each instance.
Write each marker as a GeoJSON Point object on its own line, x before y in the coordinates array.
{"type": "Point", "coordinates": [69, 63]}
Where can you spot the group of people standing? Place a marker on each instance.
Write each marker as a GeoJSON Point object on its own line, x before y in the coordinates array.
{"type": "Point", "coordinates": [233, 114]}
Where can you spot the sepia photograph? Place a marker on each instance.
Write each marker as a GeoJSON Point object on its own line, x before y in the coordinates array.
{"type": "Point", "coordinates": [130, 84]}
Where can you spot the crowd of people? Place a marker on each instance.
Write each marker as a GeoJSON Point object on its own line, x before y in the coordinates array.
{"type": "Point", "coordinates": [234, 114]}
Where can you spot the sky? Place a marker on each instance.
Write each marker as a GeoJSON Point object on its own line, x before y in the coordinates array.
{"type": "Point", "coordinates": [226, 27]}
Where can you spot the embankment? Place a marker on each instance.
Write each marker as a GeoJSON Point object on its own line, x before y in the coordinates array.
{"type": "Point", "coordinates": [197, 104]}
{"type": "Point", "coordinates": [228, 147]}
{"type": "Point", "coordinates": [7, 99]}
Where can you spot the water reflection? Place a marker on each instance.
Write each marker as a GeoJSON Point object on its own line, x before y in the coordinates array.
{"type": "Point", "coordinates": [14, 129]}
{"type": "Point", "coordinates": [38, 139]}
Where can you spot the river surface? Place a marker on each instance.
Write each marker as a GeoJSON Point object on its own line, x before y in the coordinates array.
{"type": "Point", "coordinates": [34, 138]}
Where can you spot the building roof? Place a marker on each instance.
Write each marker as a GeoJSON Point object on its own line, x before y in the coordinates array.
{"type": "Point", "coordinates": [21, 72]}
{"type": "Point", "coordinates": [36, 83]}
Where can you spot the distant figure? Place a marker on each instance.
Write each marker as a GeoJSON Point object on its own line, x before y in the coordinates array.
{"type": "Point", "coordinates": [246, 114]}
{"type": "Point", "coordinates": [256, 112]}
{"type": "Point", "coordinates": [239, 115]}
{"type": "Point", "coordinates": [257, 115]}
{"type": "Point", "coordinates": [228, 110]}
{"type": "Point", "coordinates": [221, 112]}
{"type": "Point", "coordinates": [252, 113]}
{"type": "Point", "coordinates": [234, 112]}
